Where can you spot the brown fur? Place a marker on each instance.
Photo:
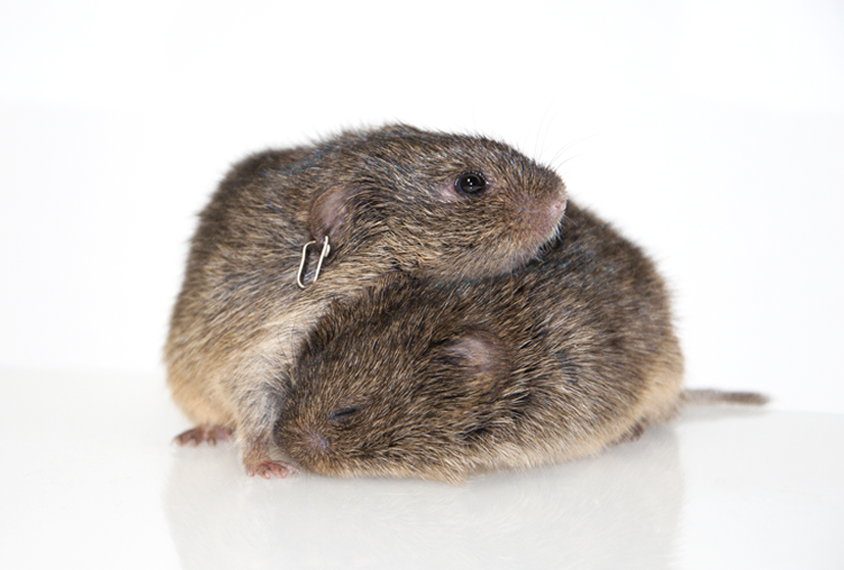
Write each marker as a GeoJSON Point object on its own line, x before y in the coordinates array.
{"type": "Point", "coordinates": [438, 379]}
{"type": "Point", "coordinates": [388, 202]}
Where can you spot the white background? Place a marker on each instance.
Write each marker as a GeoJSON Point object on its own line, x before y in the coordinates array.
{"type": "Point", "coordinates": [710, 131]}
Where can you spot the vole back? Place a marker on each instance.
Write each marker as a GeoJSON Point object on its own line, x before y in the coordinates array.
{"type": "Point", "coordinates": [433, 378]}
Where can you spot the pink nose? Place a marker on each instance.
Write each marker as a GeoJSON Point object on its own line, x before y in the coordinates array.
{"type": "Point", "coordinates": [315, 441]}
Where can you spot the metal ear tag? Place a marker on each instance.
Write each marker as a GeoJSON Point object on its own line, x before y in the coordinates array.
{"type": "Point", "coordinates": [326, 249]}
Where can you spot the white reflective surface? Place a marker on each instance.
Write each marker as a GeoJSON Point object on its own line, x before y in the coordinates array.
{"type": "Point", "coordinates": [90, 479]}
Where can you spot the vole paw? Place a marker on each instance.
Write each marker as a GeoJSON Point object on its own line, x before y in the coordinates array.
{"type": "Point", "coordinates": [209, 434]}
{"type": "Point", "coordinates": [267, 468]}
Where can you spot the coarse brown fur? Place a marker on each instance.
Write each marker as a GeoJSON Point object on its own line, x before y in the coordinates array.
{"type": "Point", "coordinates": [388, 201]}
{"type": "Point", "coordinates": [439, 379]}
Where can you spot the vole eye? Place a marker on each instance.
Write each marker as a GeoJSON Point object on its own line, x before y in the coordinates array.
{"type": "Point", "coordinates": [343, 413]}
{"type": "Point", "coordinates": [471, 182]}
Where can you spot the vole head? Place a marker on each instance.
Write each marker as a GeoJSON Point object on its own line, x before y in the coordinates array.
{"type": "Point", "coordinates": [416, 402]}
{"type": "Point", "coordinates": [442, 205]}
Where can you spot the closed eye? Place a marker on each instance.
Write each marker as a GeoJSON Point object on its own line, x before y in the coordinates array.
{"type": "Point", "coordinates": [343, 413]}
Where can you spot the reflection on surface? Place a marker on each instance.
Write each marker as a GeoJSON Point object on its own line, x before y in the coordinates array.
{"type": "Point", "coordinates": [619, 509]}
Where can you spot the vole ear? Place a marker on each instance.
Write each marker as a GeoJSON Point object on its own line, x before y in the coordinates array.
{"type": "Point", "coordinates": [481, 356]}
{"type": "Point", "coordinates": [330, 215]}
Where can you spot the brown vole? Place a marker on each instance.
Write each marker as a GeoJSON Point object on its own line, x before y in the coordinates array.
{"type": "Point", "coordinates": [439, 379]}
{"type": "Point", "coordinates": [394, 199]}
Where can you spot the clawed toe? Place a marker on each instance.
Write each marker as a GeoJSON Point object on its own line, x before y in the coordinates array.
{"type": "Point", "coordinates": [209, 434]}
{"type": "Point", "coordinates": [267, 469]}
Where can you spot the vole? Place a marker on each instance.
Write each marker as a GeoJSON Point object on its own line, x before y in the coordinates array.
{"type": "Point", "coordinates": [441, 378]}
{"type": "Point", "coordinates": [394, 199]}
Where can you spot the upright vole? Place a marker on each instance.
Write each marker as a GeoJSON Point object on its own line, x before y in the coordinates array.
{"type": "Point", "coordinates": [390, 200]}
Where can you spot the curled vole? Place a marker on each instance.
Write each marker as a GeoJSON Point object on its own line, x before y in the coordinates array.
{"type": "Point", "coordinates": [439, 379]}
{"type": "Point", "coordinates": [389, 200]}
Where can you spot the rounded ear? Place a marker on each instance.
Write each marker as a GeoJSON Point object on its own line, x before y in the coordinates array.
{"type": "Point", "coordinates": [481, 356]}
{"type": "Point", "coordinates": [330, 215]}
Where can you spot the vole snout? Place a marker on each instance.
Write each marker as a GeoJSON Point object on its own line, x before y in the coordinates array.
{"type": "Point", "coordinates": [544, 215]}
{"type": "Point", "coordinates": [315, 440]}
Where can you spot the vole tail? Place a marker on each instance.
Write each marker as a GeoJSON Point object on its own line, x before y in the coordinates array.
{"type": "Point", "coordinates": [709, 397]}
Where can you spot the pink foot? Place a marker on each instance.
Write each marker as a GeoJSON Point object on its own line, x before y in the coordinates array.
{"type": "Point", "coordinates": [210, 434]}
{"type": "Point", "coordinates": [267, 468]}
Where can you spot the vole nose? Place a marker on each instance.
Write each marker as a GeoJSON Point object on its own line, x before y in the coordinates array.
{"type": "Point", "coordinates": [315, 440]}
{"type": "Point", "coordinates": [543, 207]}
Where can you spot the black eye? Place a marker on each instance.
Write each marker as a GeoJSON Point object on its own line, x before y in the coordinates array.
{"type": "Point", "coordinates": [471, 182]}
{"type": "Point", "coordinates": [343, 413]}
